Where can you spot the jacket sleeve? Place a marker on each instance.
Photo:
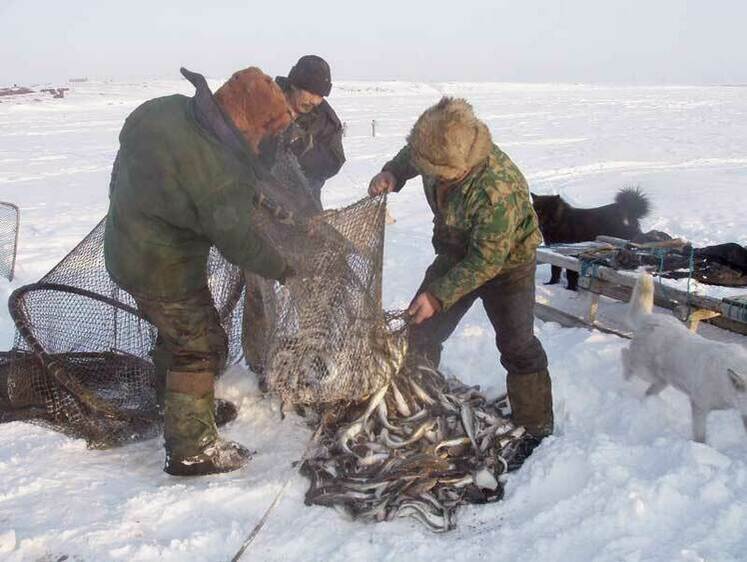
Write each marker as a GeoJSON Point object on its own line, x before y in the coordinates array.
{"type": "Point", "coordinates": [487, 250]}
{"type": "Point", "coordinates": [323, 155]}
{"type": "Point", "coordinates": [401, 167]}
{"type": "Point", "coordinates": [226, 216]}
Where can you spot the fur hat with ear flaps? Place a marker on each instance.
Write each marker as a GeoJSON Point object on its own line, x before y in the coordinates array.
{"type": "Point", "coordinates": [448, 140]}
{"type": "Point", "coordinates": [255, 104]}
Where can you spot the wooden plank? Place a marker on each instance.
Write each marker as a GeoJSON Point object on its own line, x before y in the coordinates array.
{"type": "Point", "coordinates": [674, 243]}
{"type": "Point", "coordinates": [547, 313]}
{"type": "Point", "coordinates": [628, 279]}
{"type": "Point", "coordinates": [593, 308]}
{"type": "Point", "coordinates": [619, 285]}
{"type": "Point", "coordinates": [622, 293]}
{"type": "Point", "coordinates": [614, 241]}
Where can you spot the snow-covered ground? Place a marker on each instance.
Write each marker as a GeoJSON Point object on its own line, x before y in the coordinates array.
{"type": "Point", "coordinates": [620, 480]}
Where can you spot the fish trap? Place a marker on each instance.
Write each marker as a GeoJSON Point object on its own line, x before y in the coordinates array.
{"type": "Point", "coordinates": [9, 222]}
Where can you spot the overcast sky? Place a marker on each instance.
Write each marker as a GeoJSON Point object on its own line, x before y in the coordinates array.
{"type": "Point", "coordinates": [651, 41]}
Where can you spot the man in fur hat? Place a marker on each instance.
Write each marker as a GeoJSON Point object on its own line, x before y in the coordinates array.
{"type": "Point", "coordinates": [317, 142]}
{"type": "Point", "coordinates": [485, 236]}
{"type": "Point", "coordinates": [185, 179]}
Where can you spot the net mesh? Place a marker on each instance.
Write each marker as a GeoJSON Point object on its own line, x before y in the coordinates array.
{"type": "Point", "coordinates": [81, 360]}
{"type": "Point", "coordinates": [9, 218]}
{"type": "Point", "coordinates": [326, 337]}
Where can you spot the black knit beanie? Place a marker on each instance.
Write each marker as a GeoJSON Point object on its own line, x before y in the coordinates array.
{"type": "Point", "coordinates": [311, 73]}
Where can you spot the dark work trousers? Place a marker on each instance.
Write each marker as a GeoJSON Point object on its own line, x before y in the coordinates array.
{"type": "Point", "coordinates": [190, 336]}
{"type": "Point", "coordinates": [255, 323]}
{"type": "Point", "coordinates": [508, 299]}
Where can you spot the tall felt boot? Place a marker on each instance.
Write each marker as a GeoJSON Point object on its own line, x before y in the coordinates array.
{"type": "Point", "coordinates": [530, 396]}
{"type": "Point", "coordinates": [193, 447]}
{"type": "Point", "coordinates": [223, 410]}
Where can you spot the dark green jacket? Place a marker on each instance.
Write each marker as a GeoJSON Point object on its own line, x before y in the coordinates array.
{"type": "Point", "coordinates": [176, 191]}
{"type": "Point", "coordinates": [482, 226]}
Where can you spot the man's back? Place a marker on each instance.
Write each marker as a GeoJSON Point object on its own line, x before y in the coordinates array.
{"type": "Point", "coordinates": [175, 191]}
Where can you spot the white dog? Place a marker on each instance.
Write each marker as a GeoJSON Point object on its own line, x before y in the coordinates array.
{"type": "Point", "coordinates": [664, 352]}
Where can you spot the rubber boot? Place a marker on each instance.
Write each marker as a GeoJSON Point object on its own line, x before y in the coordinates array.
{"type": "Point", "coordinates": [223, 410]}
{"type": "Point", "coordinates": [530, 396]}
{"type": "Point", "coordinates": [193, 447]}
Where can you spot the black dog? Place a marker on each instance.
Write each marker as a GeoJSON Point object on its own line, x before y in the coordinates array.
{"type": "Point", "coordinates": [561, 223]}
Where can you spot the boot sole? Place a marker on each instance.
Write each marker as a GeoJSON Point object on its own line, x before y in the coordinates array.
{"type": "Point", "coordinates": [200, 469]}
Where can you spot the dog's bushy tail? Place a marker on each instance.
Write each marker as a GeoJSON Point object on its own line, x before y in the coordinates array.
{"type": "Point", "coordinates": [642, 300]}
{"type": "Point", "coordinates": [634, 202]}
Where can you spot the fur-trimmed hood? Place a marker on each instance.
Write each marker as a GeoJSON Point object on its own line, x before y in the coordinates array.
{"type": "Point", "coordinates": [255, 104]}
{"type": "Point", "coordinates": [448, 140]}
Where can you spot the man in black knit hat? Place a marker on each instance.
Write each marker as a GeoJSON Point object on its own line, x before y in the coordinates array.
{"type": "Point", "coordinates": [318, 139]}
{"type": "Point", "coordinates": [315, 139]}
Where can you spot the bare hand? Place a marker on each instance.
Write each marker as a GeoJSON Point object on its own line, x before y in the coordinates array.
{"type": "Point", "coordinates": [383, 182]}
{"type": "Point", "coordinates": [423, 307]}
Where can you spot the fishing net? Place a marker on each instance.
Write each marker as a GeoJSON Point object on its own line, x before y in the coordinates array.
{"type": "Point", "coordinates": [9, 218]}
{"type": "Point", "coordinates": [394, 437]}
{"type": "Point", "coordinates": [323, 336]}
{"type": "Point", "coordinates": [81, 360]}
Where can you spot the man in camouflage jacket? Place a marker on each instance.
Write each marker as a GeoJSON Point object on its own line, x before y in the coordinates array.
{"type": "Point", "coordinates": [485, 235]}
{"type": "Point", "coordinates": [186, 178]}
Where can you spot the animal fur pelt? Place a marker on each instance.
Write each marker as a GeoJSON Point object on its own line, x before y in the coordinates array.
{"type": "Point", "coordinates": [664, 352]}
{"type": "Point", "coordinates": [448, 140]}
{"type": "Point", "coordinates": [562, 223]}
{"type": "Point", "coordinates": [255, 104]}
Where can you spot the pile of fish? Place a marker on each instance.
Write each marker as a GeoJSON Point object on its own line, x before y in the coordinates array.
{"type": "Point", "coordinates": [419, 447]}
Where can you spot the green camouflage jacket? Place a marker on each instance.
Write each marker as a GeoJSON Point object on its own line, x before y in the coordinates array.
{"type": "Point", "coordinates": [177, 190]}
{"type": "Point", "coordinates": [485, 224]}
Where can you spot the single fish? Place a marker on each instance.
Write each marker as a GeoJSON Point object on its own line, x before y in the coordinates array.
{"type": "Point", "coordinates": [421, 394]}
{"type": "Point", "coordinates": [419, 432]}
{"type": "Point", "coordinates": [402, 407]}
{"type": "Point", "coordinates": [460, 441]}
{"type": "Point", "coordinates": [486, 417]}
{"type": "Point", "coordinates": [431, 499]}
{"type": "Point", "coordinates": [420, 511]}
{"type": "Point", "coordinates": [383, 413]}
{"type": "Point", "coordinates": [468, 420]}
{"type": "Point", "coordinates": [338, 497]}
{"type": "Point", "coordinates": [458, 482]}
{"type": "Point", "coordinates": [347, 434]}
{"type": "Point", "coordinates": [415, 417]}
{"type": "Point", "coordinates": [373, 458]}
{"type": "Point", "coordinates": [374, 402]}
